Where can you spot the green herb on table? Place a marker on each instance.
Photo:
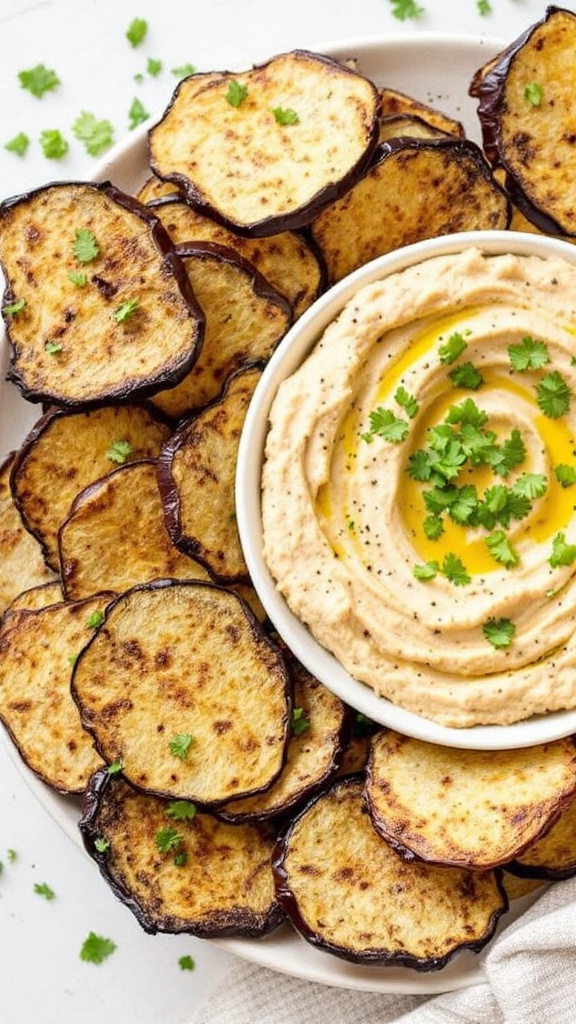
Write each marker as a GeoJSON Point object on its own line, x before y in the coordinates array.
{"type": "Point", "coordinates": [406, 9]}
{"type": "Point", "coordinates": [44, 890]}
{"type": "Point", "coordinates": [184, 70]}
{"type": "Point", "coordinates": [96, 948]}
{"type": "Point", "coordinates": [38, 80]}
{"type": "Point", "coordinates": [186, 963]}
{"type": "Point", "coordinates": [153, 67]}
{"type": "Point", "coordinates": [137, 114]}
{"type": "Point", "coordinates": [19, 144]}
{"type": "Point", "coordinates": [54, 145]}
{"type": "Point", "coordinates": [499, 632]}
{"type": "Point", "coordinates": [136, 31]}
{"type": "Point", "coordinates": [96, 135]}
{"type": "Point", "coordinates": [483, 7]}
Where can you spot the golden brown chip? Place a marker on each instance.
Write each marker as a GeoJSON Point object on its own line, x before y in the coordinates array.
{"type": "Point", "coordinates": [516, 887]}
{"type": "Point", "coordinates": [554, 854]}
{"type": "Point", "coordinates": [182, 686]}
{"type": "Point", "coordinates": [38, 597]}
{"type": "Point", "coordinates": [177, 870]}
{"type": "Point", "coordinates": [399, 125]}
{"type": "Point", "coordinates": [347, 891]}
{"type": "Point", "coordinates": [154, 188]}
{"type": "Point", "coordinates": [115, 535]}
{"type": "Point", "coordinates": [393, 101]}
{"type": "Point", "coordinates": [98, 307]}
{"type": "Point", "coordinates": [471, 808]}
{"type": "Point", "coordinates": [422, 188]}
{"type": "Point", "coordinates": [21, 562]}
{"type": "Point", "coordinates": [196, 475]}
{"type": "Point", "coordinates": [245, 320]}
{"type": "Point", "coordinates": [66, 451]}
{"type": "Point", "coordinates": [286, 259]}
{"type": "Point", "coordinates": [314, 749]}
{"type": "Point", "coordinates": [37, 652]}
{"type": "Point", "coordinates": [526, 109]}
{"type": "Point", "coordinates": [264, 149]}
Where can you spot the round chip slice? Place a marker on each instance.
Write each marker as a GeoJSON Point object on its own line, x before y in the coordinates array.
{"type": "Point", "coordinates": [176, 869]}
{"type": "Point", "coordinates": [554, 854]}
{"type": "Point", "coordinates": [348, 892]}
{"type": "Point", "coordinates": [471, 808]}
{"type": "Point", "coordinates": [21, 561]}
{"type": "Point", "coordinates": [183, 687]}
{"type": "Point", "coordinates": [263, 150]}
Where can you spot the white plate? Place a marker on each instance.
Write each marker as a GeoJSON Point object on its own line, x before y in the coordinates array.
{"type": "Point", "coordinates": [436, 69]}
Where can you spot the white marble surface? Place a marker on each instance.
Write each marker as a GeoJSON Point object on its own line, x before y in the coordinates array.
{"type": "Point", "coordinates": [41, 975]}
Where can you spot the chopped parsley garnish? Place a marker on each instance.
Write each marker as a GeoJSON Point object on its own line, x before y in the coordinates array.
{"type": "Point", "coordinates": [180, 744]}
{"type": "Point", "coordinates": [96, 135]}
{"type": "Point", "coordinates": [96, 948]}
{"type": "Point", "coordinates": [484, 7]}
{"type": "Point", "coordinates": [499, 632]}
{"type": "Point", "coordinates": [565, 474]}
{"type": "Point", "coordinates": [19, 144]}
{"type": "Point", "coordinates": [85, 246]}
{"type": "Point", "coordinates": [44, 890]}
{"type": "Point", "coordinates": [137, 114]}
{"type": "Point", "coordinates": [136, 31]}
{"type": "Point", "coordinates": [285, 115]}
{"type": "Point", "coordinates": [119, 451]}
{"type": "Point", "coordinates": [11, 855]}
{"type": "Point", "coordinates": [236, 93]}
{"type": "Point", "coordinates": [553, 395]}
{"type": "Point", "coordinates": [95, 620]}
{"type": "Point", "coordinates": [184, 70]}
{"type": "Point", "coordinates": [168, 839]}
{"type": "Point", "coordinates": [406, 9]}
{"type": "Point", "coordinates": [466, 376]}
{"type": "Point", "coordinates": [53, 143]}
{"type": "Point", "coordinates": [426, 570]}
{"type": "Point", "coordinates": [533, 93]}
{"type": "Point", "coordinates": [101, 844]}
{"type": "Point", "coordinates": [406, 401]}
{"type": "Point", "coordinates": [387, 425]}
{"type": "Point", "coordinates": [562, 552]}
{"type": "Point", "coordinates": [453, 348]}
{"type": "Point", "coordinates": [125, 311]}
{"type": "Point", "coordinates": [53, 347]}
{"type": "Point", "coordinates": [79, 278]}
{"type": "Point", "coordinates": [181, 810]}
{"type": "Point", "coordinates": [38, 80]}
{"type": "Point", "coordinates": [153, 67]}
{"type": "Point", "coordinates": [186, 963]}
{"type": "Point", "coordinates": [501, 549]}
{"type": "Point", "coordinates": [14, 307]}
{"type": "Point", "coordinates": [115, 768]}
{"type": "Point", "coordinates": [528, 355]}
{"type": "Point", "coordinates": [300, 721]}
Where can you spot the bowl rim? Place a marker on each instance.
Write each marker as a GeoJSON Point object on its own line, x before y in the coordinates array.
{"type": "Point", "coordinates": [293, 348]}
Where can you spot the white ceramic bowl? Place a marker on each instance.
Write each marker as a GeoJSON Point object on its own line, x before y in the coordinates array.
{"type": "Point", "coordinates": [290, 353]}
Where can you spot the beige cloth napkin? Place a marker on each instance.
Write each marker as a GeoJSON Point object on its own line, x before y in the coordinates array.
{"type": "Point", "coordinates": [530, 975]}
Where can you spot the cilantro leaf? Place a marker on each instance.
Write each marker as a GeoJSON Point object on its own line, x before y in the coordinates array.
{"type": "Point", "coordinates": [96, 135]}
{"type": "Point", "coordinates": [565, 474]}
{"type": "Point", "coordinates": [181, 810]}
{"type": "Point", "coordinates": [85, 246]}
{"type": "Point", "coordinates": [462, 509]}
{"type": "Point", "coordinates": [467, 413]}
{"type": "Point", "coordinates": [101, 844]}
{"type": "Point", "coordinates": [562, 552]}
{"type": "Point", "coordinates": [452, 348]}
{"type": "Point", "coordinates": [454, 570]}
{"type": "Point", "coordinates": [13, 308]}
{"type": "Point", "coordinates": [115, 768]}
{"type": "Point", "coordinates": [136, 31]}
{"type": "Point", "coordinates": [420, 465]}
{"type": "Point", "coordinates": [44, 890]}
{"type": "Point", "coordinates": [553, 395]}
{"type": "Point", "coordinates": [300, 721]}
{"type": "Point", "coordinates": [387, 425]}
{"type": "Point", "coordinates": [433, 527]}
{"type": "Point", "coordinates": [186, 963]}
{"type": "Point", "coordinates": [501, 549]}
{"type": "Point", "coordinates": [19, 144]}
{"type": "Point", "coordinates": [426, 570]}
{"type": "Point", "coordinates": [466, 376]}
{"type": "Point", "coordinates": [96, 948]}
{"type": "Point", "coordinates": [406, 401]}
{"type": "Point", "coordinates": [499, 632]}
{"type": "Point", "coordinates": [38, 80]}
{"type": "Point", "coordinates": [285, 115]}
{"type": "Point", "coordinates": [484, 7]}
{"type": "Point", "coordinates": [405, 9]}
{"type": "Point", "coordinates": [95, 620]}
{"type": "Point", "coordinates": [78, 277]}
{"type": "Point", "coordinates": [180, 744]}
{"type": "Point", "coordinates": [125, 311]}
{"type": "Point", "coordinates": [528, 355]}
{"type": "Point", "coordinates": [533, 93]}
{"type": "Point", "coordinates": [509, 454]}
{"type": "Point", "coordinates": [531, 485]}
{"type": "Point", "coordinates": [119, 451]}
{"type": "Point", "coordinates": [153, 67]}
{"type": "Point", "coordinates": [137, 114]}
{"type": "Point", "coordinates": [168, 839]}
{"type": "Point", "coordinates": [236, 94]}
{"type": "Point", "coordinates": [184, 70]}
{"type": "Point", "coordinates": [54, 145]}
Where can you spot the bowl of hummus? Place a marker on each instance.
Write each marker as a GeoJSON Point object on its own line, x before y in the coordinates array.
{"type": "Point", "coordinates": [406, 489]}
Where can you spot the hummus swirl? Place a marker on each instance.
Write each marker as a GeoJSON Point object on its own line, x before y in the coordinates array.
{"type": "Point", "coordinates": [453, 595]}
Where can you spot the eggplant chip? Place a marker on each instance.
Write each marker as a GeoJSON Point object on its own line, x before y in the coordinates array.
{"type": "Point", "coordinates": [115, 537]}
{"type": "Point", "coordinates": [245, 320]}
{"type": "Point", "coordinates": [98, 308]}
{"type": "Point", "coordinates": [421, 188]}
{"type": "Point", "coordinates": [517, 888]}
{"type": "Point", "coordinates": [468, 808]}
{"type": "Point", "coordinates": [286, 260]}
{"type": "Point", "coordinates": [21, 562]}
{"type": "Point", "coordinates": [66, 451]}
{"type": "Point", "coordinates": [348, 892]}
{"type": "Point", "coordinates": [526, 109]}
{"type": "Point", "coordinates": [552, 856]}
{"type": "Point", "coordinates": [35, 598]}
{"type": "Point", "coordinates": [263, 150]}
{"type": "Point", "coordinates": [178, 869]}
{"type": "Point", "coordinates": [319, 721]}
{"type": "Point", "coordinates": [154, 188]}
{"type": "Point", "coordinates": [37, 652]}
{"type": "Point", "coordinates": [183, 687]}
{"type": "Point", "coordinates": [196, 475]}
{"type": "Point", "coordinates": [394, 102]}
{"type": "Point", "coordinates": [396, 126]}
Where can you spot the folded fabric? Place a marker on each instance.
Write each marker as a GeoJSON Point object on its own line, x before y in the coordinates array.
{"type": "Point", "coordinates": [529, 970]}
